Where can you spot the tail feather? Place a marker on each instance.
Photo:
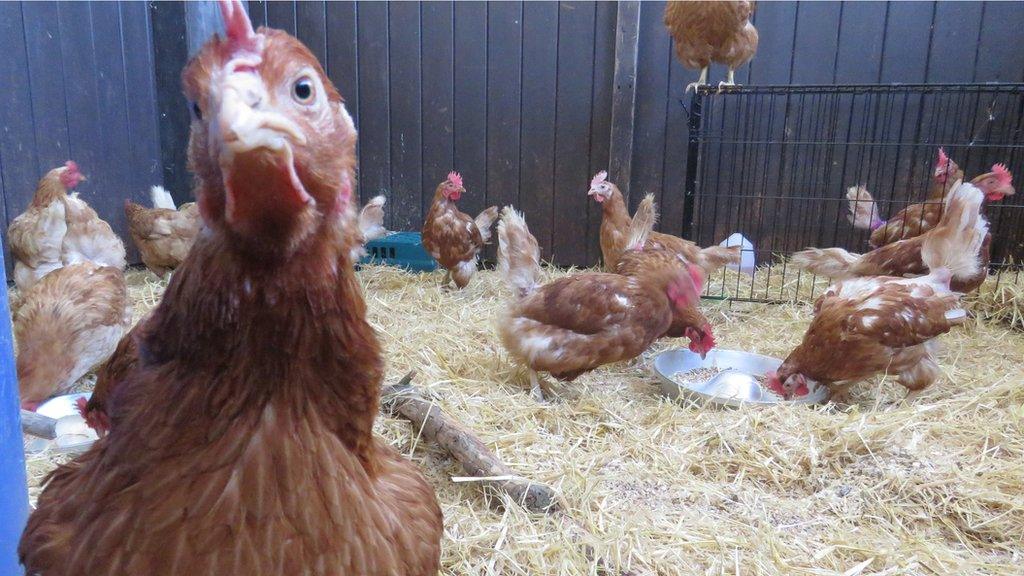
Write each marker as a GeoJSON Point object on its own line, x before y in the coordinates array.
{"type": "Point", "coordinates": [863, 209]}
{"type": "Point", "coordinates": [644, 219]}
{"type": "Point", "coordinates": [831, 262]}
{"type": "Point", "coordinates": [485, 220]}
{"type": "Point", "coordinates": [518, 253]}
{"type": "Point", "coordinates": [955, 243]}
{"type": "Point", "coordinates": [714, 257]}
{"type": "Point", "coordinates": [371, 219]}
{"type": "Point", "coordinates": [161, 198]}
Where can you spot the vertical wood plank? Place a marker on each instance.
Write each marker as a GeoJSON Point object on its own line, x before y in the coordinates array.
{"type": "Point", "coordinates": [438, 94]}
{"type": "Point", "coordinates": [374, 121]}
{"type": "Point", "coordinates": [84, 125]}
{"type": "Point", "coordinates": [111, 174]}
{"type": "Point", "coordinates": [46, 83]}
{"type": "Point", "coordinates": [776, 24]}
{"type": "Point", "coordinates": [343, 53]}
{"type": "Point", "coordinates": [623, 121]}
{"type": "Point", "coordinates": [537, 144]}
{"type": "Point", "coordinates": [311, 27]}
{"type": "Point", "coordinates": [861, 37]}
{"type": "Point", "coordinates": [170, 53]}
{"type": "Point", "coordinates": [605, 32]}
{"type": "Point", "coordinates": [907, 42]}
{"type": "Point", "coordinates": [281, 15]}
{"type": "Point", "coordinates": [816, 42]}
{"type": "Point", "coordinates": [144, 137]}
{"type": "Point", "coordinates": [406, 149]}
{"type": "Point", "coordinates": [17, 143]}
{"type": "Point", "coordinates": [673, 188]}
{"type": "Point", "coordinates": [651, 102]}
{"type": "Point", "coordinates": [470, 103]}
{"type": "Point", "coordinates": [572, 136]}
{"type": "Point", "coordinates": [999, 60]}
{"type": "Point", "coordinates": [955, 42]}
{"type": "Point", "coordinates": [504, 98]}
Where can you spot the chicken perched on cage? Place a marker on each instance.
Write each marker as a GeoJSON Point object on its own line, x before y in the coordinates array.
{"type": "Point", "coordinates": [69, 322]}
{"type": "Point", "coordinates": [687, 322]}
{"type": "Point", "coordinates": [866, 326]}
{"type": "Point", "coordinates": [906, 257]}
{"type": "Point", "coordinates": [577, 323]}
{"type": "Point", "coordinates": [58, 229]}
{"type": "Point", "coordinates": [163, 234]}
{"type": "Point", "coordinates": [615, 225]}
{"type": "Point", "coordinates": [453, 238]}
{"type": "Point", "coordinates": [243, 437]}
{"type": "Point", "coordinates": [917, 219]}
{"type": "Point", "coordinates": [712, 31]}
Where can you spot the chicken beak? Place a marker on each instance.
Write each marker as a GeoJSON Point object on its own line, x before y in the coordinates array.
{"type": "Point", "coordinates": [244, 123]}
{"type": "Point", "coordinates": [251, 137]}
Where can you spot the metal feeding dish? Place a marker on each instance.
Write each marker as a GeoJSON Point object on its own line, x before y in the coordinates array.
{"type": "Point", "coordinates": [734, 384]}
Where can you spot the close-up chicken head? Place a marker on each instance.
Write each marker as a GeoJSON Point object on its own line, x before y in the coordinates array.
{"type": "Point", "coordinates": [997, 184]}
{"type": "Point", "coordinates": [600, 187]}
{"type": "Point", "coordinates": [452, 188]}
{"type": "Point", "coordinates": [70, 176]}
{"type": "Point", "coordinates": [702, 340]}
{"type": "Point", "coordinates": [271, 143]}
{"type": "Point", "coordinates": [787, 383]}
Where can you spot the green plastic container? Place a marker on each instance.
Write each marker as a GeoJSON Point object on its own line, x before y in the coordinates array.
{"type": "Point", "coordinates": [401, 249]}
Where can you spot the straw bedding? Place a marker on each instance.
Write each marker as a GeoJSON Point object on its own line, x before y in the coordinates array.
{"type": "Point", "coordinates": [935, 486]}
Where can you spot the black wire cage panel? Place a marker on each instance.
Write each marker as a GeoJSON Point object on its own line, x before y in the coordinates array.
{"type": "Point", "coordinates": [775, 162]}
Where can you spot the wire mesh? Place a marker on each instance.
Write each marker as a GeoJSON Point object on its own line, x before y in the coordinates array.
{"type": "Point", "coordinates": [774, 163]}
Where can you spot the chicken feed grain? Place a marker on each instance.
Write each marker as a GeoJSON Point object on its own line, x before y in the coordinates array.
{"type": "Point", "coordinates": [881, 486]}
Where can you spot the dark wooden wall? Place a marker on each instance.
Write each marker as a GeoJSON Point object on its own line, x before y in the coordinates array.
{"type": "Point", "coordinates": [517, 96]}
{"type": "Point", "coordinates": [77, 82]}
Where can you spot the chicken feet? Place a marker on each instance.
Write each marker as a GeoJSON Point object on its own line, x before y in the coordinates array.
{"type": "Point", "coordinates": [703, 79]}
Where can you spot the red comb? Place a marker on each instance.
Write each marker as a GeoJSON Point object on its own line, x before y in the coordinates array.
{"type": "Point", "coordinates": [82, 406]}
{"type": "Point", "coordinates": [236, 22]}
{"type": "Point", "coordinates": [71, 165]}
{"type": "Point", "coordinates": [1002, 174]}
{"type": "Point", "coordinates": [455, 178]}
{"type": "Point", "coordinates": [599, 178]}
{"type": "Point", "coordinates": [943, 164]}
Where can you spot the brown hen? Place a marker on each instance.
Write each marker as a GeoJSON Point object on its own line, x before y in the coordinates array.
{"type": "Point", "coordinates": [163, 234]}
{"type": "Point", "coordinates": [864, 326]}
{"type": "Point", "coordinates": [712, 31]}
{"type": "Point", "coordinates": [242, 440]}
{"type": "Point", "coordinates": [68, 323]}
{"type": "Point", "coordinates": [452, 237]}
{"type": "Point", "coordinates": [577, 323]}
{"type": "Point", "coordinates": [690, 321]}
{"type": "Point", "coordinates": [615, 223]}
{"type": "Point", "coordinates": [917, 219]}
{"type": "Point", "coordinates": [960, 227]}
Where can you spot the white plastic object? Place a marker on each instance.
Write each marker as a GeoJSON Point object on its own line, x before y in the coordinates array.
{"type": "Point", "coordinates": [746, 264]}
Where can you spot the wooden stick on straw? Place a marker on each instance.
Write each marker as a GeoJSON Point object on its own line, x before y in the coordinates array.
{"type": "Point", "coordinates": [477, 460]}
{"type": "Point", "coordinates": [38, 425]}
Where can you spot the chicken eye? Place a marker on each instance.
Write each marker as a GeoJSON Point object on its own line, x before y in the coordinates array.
{"type": "Point", "coordinates": [196, 112]}
{"type": "Point", "coordinates": [303, 90]}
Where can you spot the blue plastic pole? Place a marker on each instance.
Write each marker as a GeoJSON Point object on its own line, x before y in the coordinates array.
{"type": "Point", "coordinates": [13, 488]}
